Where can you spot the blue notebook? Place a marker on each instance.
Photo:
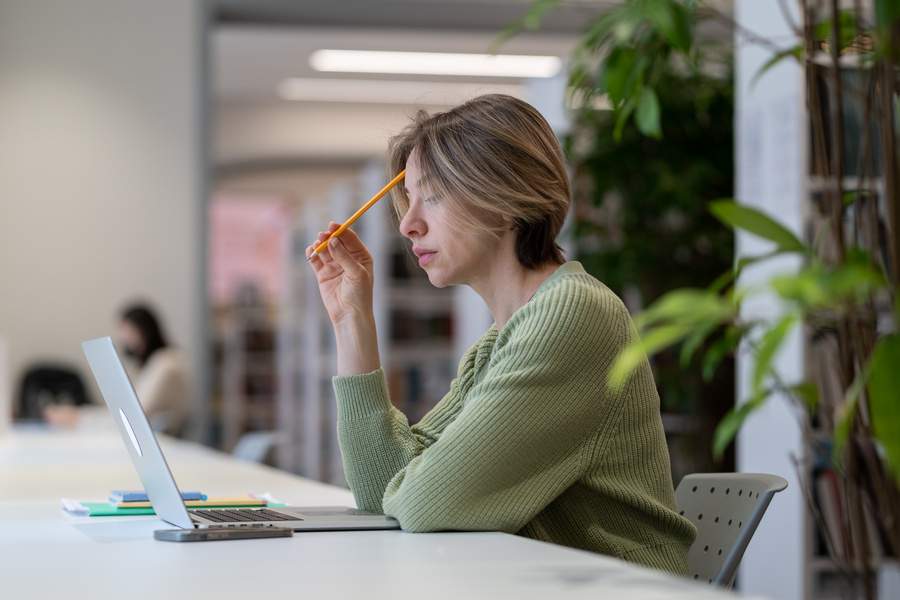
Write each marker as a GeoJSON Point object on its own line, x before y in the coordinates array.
{"type": "Point", "coordinates": [117, 496]}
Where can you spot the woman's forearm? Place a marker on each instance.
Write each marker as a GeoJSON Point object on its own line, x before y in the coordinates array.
{"type": "Point", "coordinates": [356, 341]}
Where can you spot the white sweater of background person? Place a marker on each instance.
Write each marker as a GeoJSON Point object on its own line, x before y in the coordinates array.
{"type": "Point", "coordinates": [162, 387]}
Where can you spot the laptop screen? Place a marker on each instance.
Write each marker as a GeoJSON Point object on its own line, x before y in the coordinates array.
{"type": "Point", "coordinates": [127, 413]}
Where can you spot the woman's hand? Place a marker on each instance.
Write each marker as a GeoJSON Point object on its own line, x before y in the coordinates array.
{"type": "Point", "coordinates": [61, 415]}
{"type": "Point", "coordinates": [344, 274]}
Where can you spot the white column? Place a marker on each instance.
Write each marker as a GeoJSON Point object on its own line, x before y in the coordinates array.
{"type": "Point", "coordinates": [771, 134]}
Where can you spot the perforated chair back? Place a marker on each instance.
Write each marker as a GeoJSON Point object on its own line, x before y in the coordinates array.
{"type": "Point", "coordinates": [726, 508]}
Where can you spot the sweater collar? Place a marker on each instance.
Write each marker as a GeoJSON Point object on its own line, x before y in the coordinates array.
{"type": "Point", "coordinates": [572, 267]}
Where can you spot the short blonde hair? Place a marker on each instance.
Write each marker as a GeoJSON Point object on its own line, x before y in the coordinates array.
{"type": "Point", "coordinates": [499, 164]}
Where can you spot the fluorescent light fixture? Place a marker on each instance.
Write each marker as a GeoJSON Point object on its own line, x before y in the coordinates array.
{"type": "Point", "coordinates": [366, 91]}
{"type": "Point", "coordinates": [435, 63]}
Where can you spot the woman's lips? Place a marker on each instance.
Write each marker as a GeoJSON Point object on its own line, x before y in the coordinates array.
{"type": "Point", "coordinates": [425, 258]}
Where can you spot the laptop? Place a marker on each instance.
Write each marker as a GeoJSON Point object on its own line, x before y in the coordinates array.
{"type": "Point", "coordinates": [148, 459]}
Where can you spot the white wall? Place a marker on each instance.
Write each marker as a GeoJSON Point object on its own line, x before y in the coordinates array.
{"type": "Point", "coordinates": [100, 170]}
{"type": "Point", "coordinates": [770, 137]}
{"type": "Point", "coordinates": [248, 131]}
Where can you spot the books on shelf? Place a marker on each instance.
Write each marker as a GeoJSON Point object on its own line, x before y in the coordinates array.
{"type": "Point", "coordinates": [831, 500]}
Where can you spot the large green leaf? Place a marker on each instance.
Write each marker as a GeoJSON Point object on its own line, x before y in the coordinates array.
{"type": "Point", "coordinates": [617, 73]}
{"type": "Point", "coordinates": [794, 51]}
{"type": "Point", "coordinates": [647, 116]}
{"type": "Point", "coordinates": [732, 422]}
{"type": "Point", "coordinates": [847, 25]}
{"type": "Point", "coordinates": [693, 341]}
{"type": "Point", "coordinates": [599, 31]}
{"type": "Point", "coordinates": [634, 353]}
{"type": "Point", "coordinates": [819, 285]}
{"type": "Point", "coordinates": [689, 307]}
{"type": "Point", "coordinates": [721, 348]}
{"type": "Point", "coordinates": [769, 344]}
{"type": "Point", "coordinates": [758, 223]}
{"type": "Point", "coordinates": [845, 418]}
{"type": "Point", "coordinates": [884, 398]}
{"type": "Point", "coordinates": [808, 393]}
{"type": "Point", "coordinates": [887, 12]}
{"type": "Point", "coordinates": [622, 115]}
{"type": "Point", "coordinates": [672, 20]}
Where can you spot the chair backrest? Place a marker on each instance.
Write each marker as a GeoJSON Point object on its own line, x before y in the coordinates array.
{"type": "Point", "coordinates": [255, 446]}
{"type": "Point", "coordinates": [44, 384]}
{"type": "Point", "coordinates": [726, 509]}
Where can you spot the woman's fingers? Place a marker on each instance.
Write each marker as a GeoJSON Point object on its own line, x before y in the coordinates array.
{"type": "Point", "coordinates": [351, 240]}
{"type": "Point", "coordinates": [342, 257]}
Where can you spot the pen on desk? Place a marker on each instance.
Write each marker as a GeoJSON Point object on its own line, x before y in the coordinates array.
{"type": "Point", "coordinates": [337, 232]}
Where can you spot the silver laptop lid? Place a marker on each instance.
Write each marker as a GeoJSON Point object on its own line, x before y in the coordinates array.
{"type": "Point", "coordinates": [129, 417]}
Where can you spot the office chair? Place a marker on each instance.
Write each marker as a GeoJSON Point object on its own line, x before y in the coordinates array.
{"type": "Point", "coordinates": [726, 508]}
{"type": "Point", "coordinates": [256, 446]}
{"type": "Point", "coordinates": [45, 384]}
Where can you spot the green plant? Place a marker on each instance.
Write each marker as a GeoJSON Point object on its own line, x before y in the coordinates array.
{"type": "Point", "coordinates": [641, 185]}
{"type": "Point", "coordinates": [646, 230]}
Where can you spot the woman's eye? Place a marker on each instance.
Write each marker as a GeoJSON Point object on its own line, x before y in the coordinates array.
{"type": "Point", "coordinates": [430, 200]}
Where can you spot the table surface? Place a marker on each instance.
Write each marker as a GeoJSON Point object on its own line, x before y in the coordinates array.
{"type": "Point", "coordinates": [45, 552]}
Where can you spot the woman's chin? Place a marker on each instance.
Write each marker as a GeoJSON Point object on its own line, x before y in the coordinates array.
{"type": "Point", "coordinates": [434, 277]}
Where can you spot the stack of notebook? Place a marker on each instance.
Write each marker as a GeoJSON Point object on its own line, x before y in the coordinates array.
{"type": "Point", "coordinates": [131, 503]}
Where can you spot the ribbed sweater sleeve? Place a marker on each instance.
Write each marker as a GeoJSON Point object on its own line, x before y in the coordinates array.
{"type": "Point", "coordinates": [375, 438]}
{"type": "Point", "coordinates": [512, 433]}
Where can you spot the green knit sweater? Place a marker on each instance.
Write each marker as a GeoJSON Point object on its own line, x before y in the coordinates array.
{"type": "Point", "coordinates": [528, 440]}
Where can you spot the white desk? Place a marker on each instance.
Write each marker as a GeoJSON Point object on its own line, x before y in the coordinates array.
{"type": "Point", "coordinates": [45, 553]}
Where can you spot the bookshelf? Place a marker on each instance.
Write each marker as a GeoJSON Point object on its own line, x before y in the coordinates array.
{"type": "Point", "coordinates": [246, 367]}
{"type": "Point", "coordinates": [422, 330]}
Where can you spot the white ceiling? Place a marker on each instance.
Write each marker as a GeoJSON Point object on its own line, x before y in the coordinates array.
{"type": "Point", "coordinates": [254, 125]}
{"type": "Point", "coordinates": [567, 16]}
{"type": "Point", "coordinates": [250, 62]}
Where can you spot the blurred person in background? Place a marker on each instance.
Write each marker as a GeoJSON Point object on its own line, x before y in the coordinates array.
{"type": "Point", "coordinates": [157, 371]}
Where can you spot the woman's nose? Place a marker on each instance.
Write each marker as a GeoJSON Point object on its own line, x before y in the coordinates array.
{"type": "Point", "coordinates": [411, 225]}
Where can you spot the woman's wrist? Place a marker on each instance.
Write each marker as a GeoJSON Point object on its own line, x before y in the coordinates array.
{"type": "Point", "coordinates": [356, 341]}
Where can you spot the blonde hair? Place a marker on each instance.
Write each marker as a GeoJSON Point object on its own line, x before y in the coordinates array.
{"type": "Point", "coordinates": [496, 160]}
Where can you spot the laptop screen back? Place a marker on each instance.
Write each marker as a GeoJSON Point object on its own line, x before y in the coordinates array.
{"type": "Point", "coordinates": [135, 430]}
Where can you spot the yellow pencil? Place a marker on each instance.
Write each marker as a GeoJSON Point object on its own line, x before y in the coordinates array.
{"type": "Point", "coordinates": [358, 214]}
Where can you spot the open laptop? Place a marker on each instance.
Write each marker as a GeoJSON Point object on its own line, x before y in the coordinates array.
{"type": "Point", "coordinates": [160, 486]}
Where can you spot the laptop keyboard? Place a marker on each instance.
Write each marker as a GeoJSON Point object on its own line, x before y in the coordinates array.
{"type": "Point", "coordinates": [245, 515]}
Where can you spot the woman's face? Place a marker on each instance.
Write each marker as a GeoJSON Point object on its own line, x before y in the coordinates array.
{"type": "Point", "coordinates": [130, 338]}
{"type": "Point", "coordinates": [449, 255]}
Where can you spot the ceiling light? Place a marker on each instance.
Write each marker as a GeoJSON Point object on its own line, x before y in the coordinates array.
{"type": "Point", "coordinates": [423, 93]}
{"type": "Point", "coordinates": [435, 63]}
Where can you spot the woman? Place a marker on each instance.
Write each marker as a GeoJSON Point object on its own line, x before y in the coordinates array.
{"type": "Point", "coordinates": [529, 439]}
{"type": "Point", "coordinates": [160, 382]}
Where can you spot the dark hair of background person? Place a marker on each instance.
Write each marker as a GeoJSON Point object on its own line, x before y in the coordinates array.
{"type": "Point", "coordinates": [145, 321]}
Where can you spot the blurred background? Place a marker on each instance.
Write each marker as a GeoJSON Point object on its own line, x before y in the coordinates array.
{"type": "Point", "coordinates": [182, 154]}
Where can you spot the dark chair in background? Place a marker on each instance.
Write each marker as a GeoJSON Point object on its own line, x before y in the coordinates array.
{"type": "Point", "coordinates": [46, 384]}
